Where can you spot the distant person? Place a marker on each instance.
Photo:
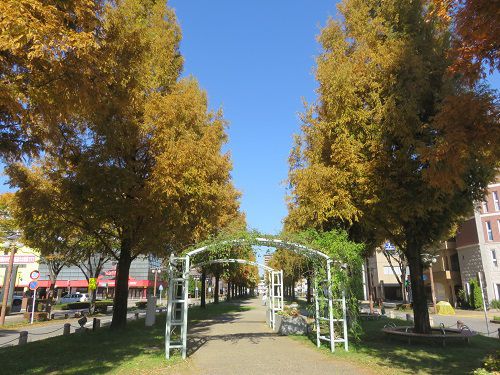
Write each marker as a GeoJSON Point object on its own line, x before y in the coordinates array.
{"type": "Point", "coordinates": [264, 299]}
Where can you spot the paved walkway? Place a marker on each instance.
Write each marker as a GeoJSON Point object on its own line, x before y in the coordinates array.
{"type": "Point", "coordinates": [242, 343]}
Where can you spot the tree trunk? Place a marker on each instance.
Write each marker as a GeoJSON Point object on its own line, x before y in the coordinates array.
{"type": "Point", "coordinates": [216, 288]}
{"type": "Point", "coordinates": [293, 290]}
{"type": "Point", "coordinates": [203, 303]}
{"type": "Point", "coordinates": [121, 286]}
{"type": "Point", "coordinates": [228, 293]}
{"type": "Point", "coordinates": [420, 309]}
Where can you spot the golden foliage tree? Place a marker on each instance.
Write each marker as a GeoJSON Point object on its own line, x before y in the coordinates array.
{"type": "Point", "coordinates": [476, 30]}
{"type": "Point", "coordinates": [141, 170]}
{"type": "Point", "coordinates": [47, 60]}
{"type": "Point", "coordinates": [396, 147]}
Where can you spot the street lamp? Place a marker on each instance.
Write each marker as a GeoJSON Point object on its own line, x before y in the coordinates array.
{"type": "Point", "coordinates": [12, 245]}
{"type": "Point", "coordinates": [155, 272]}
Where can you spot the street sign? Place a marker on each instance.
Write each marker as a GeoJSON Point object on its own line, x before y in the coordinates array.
{"type": "Point", "coordinates": [35, 274]}
{"type": "Point", "coordinates": [389, 246]}
{"type": "Point", "coordinates": [92, 283]}
{"type": "Point", "coordinates": [33, 285]}
{"type": "Point", "coordinates": [160, 287]}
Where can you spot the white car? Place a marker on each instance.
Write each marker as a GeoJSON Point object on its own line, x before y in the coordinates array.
{"type": "Point", "coordinates": [74, 297]}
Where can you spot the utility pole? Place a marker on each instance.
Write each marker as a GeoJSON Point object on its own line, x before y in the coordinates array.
{"type": "Point", "coordinates": [6, 283]}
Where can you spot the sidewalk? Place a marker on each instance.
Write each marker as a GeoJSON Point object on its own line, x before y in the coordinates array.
{"type": "Point", "coordinates": [242, 343]}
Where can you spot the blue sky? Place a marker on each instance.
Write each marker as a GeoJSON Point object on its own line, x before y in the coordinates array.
{"type": "Point", "coordinates": [255, 59]}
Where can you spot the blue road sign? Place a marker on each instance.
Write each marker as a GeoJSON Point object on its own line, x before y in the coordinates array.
{"type": "Point", "coordinates": [389, 246]}
{"type": "Point", "coordinates": [33, 285]}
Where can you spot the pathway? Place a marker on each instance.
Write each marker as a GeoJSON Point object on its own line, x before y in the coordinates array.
{"type": "Point", "coordinates": [241, 343]}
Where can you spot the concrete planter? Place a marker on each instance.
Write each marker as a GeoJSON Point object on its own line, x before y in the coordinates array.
{"type": "Point", "coordinates": [291, 325]}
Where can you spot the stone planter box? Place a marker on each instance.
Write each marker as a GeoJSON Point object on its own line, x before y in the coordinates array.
{"type": "Point", "coordinates": [291, 325]}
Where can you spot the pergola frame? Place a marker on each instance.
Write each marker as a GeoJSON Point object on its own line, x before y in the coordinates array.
{"type": "Point", "coordinates": [177, 304]}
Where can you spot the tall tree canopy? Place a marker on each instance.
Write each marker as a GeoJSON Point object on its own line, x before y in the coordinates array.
{"type": "Point", "coordinates": [47, 59]}
{"type": "Point", "coordinates": [142, 169]}
{"type": "Point", "coordinates": [476, 26]}
{"type": "Point", "coordinates": [395, 144]}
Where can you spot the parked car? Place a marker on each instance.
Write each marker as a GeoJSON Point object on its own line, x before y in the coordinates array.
{"type": "Point", "coordinates": [74, 297]}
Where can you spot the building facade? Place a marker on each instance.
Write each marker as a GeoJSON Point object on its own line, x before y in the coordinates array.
{"type": "Point", "coordinates": [478, 244]}
{"type": "Point", "coordinates": [384, 284]}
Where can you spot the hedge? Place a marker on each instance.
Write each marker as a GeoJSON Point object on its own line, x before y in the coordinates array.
{"type": "Point", "coordinates": [141, 304]}
{"type": "Point", "coordinates": [75, 305]}
{"type": "Point", "coordinates": [102, 306]}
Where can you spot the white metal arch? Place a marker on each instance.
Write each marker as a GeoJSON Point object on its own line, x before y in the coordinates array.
{"type": "Point", "coordinates": [270, 242]}
{"type": "Point", "coordinates": [177, 305]}
{"type": "Point", "coordinates": [241, 261]}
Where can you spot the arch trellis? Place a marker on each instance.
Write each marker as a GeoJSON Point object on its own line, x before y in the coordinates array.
{"type": "Point", "coordinates": [177, 304]}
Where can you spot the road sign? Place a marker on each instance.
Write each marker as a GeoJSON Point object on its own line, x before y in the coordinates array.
{"type": "Point", "coordinates": [33, 285]}
{"type": "Point", "coordinates": [160, 287]}
{"type": "Point", "coordinates": [92, 283]}
{"type": "Point", "coordinates": [35, 274]}
{"type": "Point", "coordinates": [389, 246]}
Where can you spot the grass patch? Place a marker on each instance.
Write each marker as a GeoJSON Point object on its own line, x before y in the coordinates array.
{"type": "Point", "coordinates": [393, 356]}
{"type": "Point", "coordinates": [136, 349]}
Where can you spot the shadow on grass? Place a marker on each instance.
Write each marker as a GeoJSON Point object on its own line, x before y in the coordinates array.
{"type": "Point", "coordinates": [397, 356]}
{"type": "Point", "coordinates": [134, 349]}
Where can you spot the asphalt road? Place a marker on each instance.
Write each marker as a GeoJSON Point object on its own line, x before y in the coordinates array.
{"type": "Point", "coordinates": [41, 332]}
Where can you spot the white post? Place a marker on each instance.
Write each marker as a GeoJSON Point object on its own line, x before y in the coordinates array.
{"type": "Point", "coordinates": [344, 310]}
{"type": "Point", "coordinates": [33, 306]}
{"type": "Point", "coordinates": [185, 275]}
{"type": "Point", "coordinates": [363, 272]}
{"type": "Point", "coordinates": [281, 282]}
{"type": "Point", "coordinates": [317, 309]}
{"type": "Point", "coordinates": [272, 300]}
{"type": "Point", "coordinates": [168, 325]}
{"type": "Point", "coordinates": [330, 305]}
{"type": "Point", "coordinates": [484, 302]}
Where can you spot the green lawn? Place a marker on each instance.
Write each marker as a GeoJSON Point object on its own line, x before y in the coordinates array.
{"type": "Point", "coordinates": [385, 356]}
{"type": "Point", "coordinates": [136, 349]}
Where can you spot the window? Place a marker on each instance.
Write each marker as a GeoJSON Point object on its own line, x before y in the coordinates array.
{"type": "Point", "coordinates": [455, 265]}
{"type": "Point", "coordinates": [495, 201]}
{"type": "Point", "coordinates": [485, 207]}
{"type": "Point", "coordinates": [490, 232]}
{"type": "Point", "coordinates": [494, 257]}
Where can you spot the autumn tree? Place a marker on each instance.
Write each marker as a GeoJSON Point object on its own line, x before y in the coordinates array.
{"type": "Point", "coordinates": [395, 144]}
{"type": "Point", "coordinates": [47, 60]}
{"type": "Point", "coordinates": [475, 26]}
{"type": "Point", "coordinates": [294, 266]}
{"type": "Point", "coordinates": [142, 171]}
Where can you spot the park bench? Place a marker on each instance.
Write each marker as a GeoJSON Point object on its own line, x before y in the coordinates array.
{"type": "Point", "coordinates": [441, 334]}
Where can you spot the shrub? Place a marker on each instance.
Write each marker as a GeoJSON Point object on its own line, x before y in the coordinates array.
{"type": "Point", "coordinates": [39, 316]}
{"type": "Point", "coordinates": [496, 317]}
{"type": "Point", "coordinates": [102, 306]}
{"type": "Point", "coordinates": [491, 365]}
{"type": "Point", "coordinates": [495, 304]}
{"type": "Point", "coordinates": [141, 304]}
{"type": "Point", "coordinates": [75, 306]}
{"type": "Point", "coordinates": [403, 307]}
{"type": "Point", "coordinates": [462, 299]}
{"type": "Point", "coordinates": [476, 298]}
